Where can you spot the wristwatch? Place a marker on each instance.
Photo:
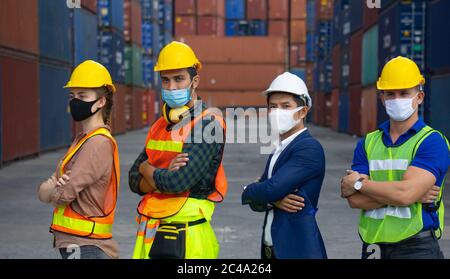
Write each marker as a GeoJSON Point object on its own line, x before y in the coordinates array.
{"type": "Point", "coordinates": [358, 184]}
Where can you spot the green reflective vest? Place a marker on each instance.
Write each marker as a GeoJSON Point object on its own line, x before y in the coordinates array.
{"type": "Point", "coordinates": [391, 224]}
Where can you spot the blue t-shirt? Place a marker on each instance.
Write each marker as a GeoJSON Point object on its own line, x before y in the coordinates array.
{"type": "Point", "coordinates": [430, 156]}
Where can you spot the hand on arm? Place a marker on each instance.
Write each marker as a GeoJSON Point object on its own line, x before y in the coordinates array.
{"type": "Point", "coordinates": [45, 190]}
{"type": "Point", "coordinates": [291, 203]}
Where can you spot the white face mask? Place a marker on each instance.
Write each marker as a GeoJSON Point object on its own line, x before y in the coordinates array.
{"type": "Point", "coordinates": [400, 109]}
{"type": "Point", "coordinates": [282, 120]}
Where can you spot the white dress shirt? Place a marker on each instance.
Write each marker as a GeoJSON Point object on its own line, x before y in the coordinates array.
{"type": "Point", "coordinates": [279, 148]}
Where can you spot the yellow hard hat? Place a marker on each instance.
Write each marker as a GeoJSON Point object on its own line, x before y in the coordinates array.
{"type": "Point", "coordinates": [400, 73]}
{"type": "Point", "coordinates": [90, 74]}
{"type": "Point", "coordinates": [177, 55]}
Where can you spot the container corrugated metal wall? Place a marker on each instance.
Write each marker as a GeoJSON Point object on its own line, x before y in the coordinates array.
{"type": "Point", "coordinates": [55, 31]}
{"type": "Point", "coordinates": [440, 100]}
{"type": "Point", "coordinates": [24, 33]}
{"type": "Point", "coordinates": [278, 9]}
{"type": "Point", "coordinates": [369, 101]}
{"type": "Point", "coordinates": [344, 111]}
{"type": "Point", "coordinates": [235, 9]}
{"type": "Point", "coordinates": [54, 114]}
{"type": "Point", "coordinates": [438, 36]}
{"type": "Point", "coordinates": [119, 124]}
{"type": "Point", "coordinates": [133, 65]}
{"type": "Point", "coordinates": [20, 128]}
{"type": "Point", "coordinates": [85, 36]}
{"type": "Point", "coordinates": [355, 109]}
{"type": "Point", "coordinates": [370, 56]}
{"type": "Point", "coordinates": [356, 57]}
{"type": "Point", "coordinates": [110, 13]}
{"type": "Point", "coordinates": [111, 53]}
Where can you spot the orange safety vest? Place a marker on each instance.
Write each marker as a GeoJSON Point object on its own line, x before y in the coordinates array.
{"type": "Point", "coordinates": [161, 149]}
{"type": "Point", "coordinates": [67, 220]}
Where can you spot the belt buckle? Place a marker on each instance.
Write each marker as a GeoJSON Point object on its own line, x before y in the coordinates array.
{"type": "Point", "coordinates": [268, 251]}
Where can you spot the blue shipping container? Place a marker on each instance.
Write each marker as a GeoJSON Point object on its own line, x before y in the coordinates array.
{"type": "Point", "coordinates": [236, 28]}
{"type": "Point", "coordinates": [168, 18]}
{"type": "Point", "coordinates": [148, 75]}
{"type": "Point", "coordinates": [111, 53]}
{"type": "Point", "coordinates": [325, 75]}
{"type": "Point", "coordinates": [310, 46]}
{"type": "Point", "coordinates": [324, 41]}
{"type": "Point", "coordinates": [356, 15]}
{"type": "Point", "coordinates": [147, 38]}
{"type": "Point", "coordinates": [257, 28]}
{"type": "Point", "coordinates": [311, 15]}
{"type": "Point", "coordinates": [158, 38]}
{"type": "Point", "coordinates": [235, 9]}
{"type": "Point", "coordinates": [147, 10]}
{"type": "Point", "coordinates": [85, 36]}
{"type": "Point", "coordinates": [110, 13]}
{"type": "Point", "coordinates": [440, 99]}
{"type": "Point", "coordinates": [438, 36]}
{"type": "Point", "coordinates": [300, 72]}
{"type": "Point", "coordinates": [401, 32]}
{"type": "Point", "coordinates": [55, 31]}
{"type": "Point", "coordinates": [54, 116]}
{"type": "Point", "coordinates": [345, 67]}
{"type": "Point", "coordinates": [344, 111]}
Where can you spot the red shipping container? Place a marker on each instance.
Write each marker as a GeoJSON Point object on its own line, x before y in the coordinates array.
{"type": "Point", "coordinates": [256, 9]}
{"type": "Point", "coordinates": [356, 57]}
{"type": "Point", "coordinates": [370, 17]}
{"type": "Point", "coordinates": [369, 101]}
{"type": "Point", "coordinates": [298, 31]}
{"type": "Point", "coordinates": [207, 25]}
{"type": "Point", "coordinates": [355, 92]}
{"type": "Point", "coordinates": [278, 9]}
{"type": "Point", "coordinates": [90, 5]}
{"type": "Point", "coordinates": [211, 8]}
{"type": "Point", "coordinates": [185, 7]}
{"type": "Point", "coordinates": [278, 28]}
{"type": "Point", "coordinates": [336, 74]}
{"type": "Point", "coordinates": [333, 107]}
{"type": "Point", "coordinates": [132, 22]}
{"type": "Point", "coordinates": [318, 109]}
{"type": "Point", "coordinates": [235, 77]}
{"type": "Point", "coordinates": [148, 107]}
{"type": "Point", "coordinates": [326, 120]}
{"type": "Point", "coordinates": [324, 9]}
{"type": "Point", "coordinates": [19, 25]}
{"type": "Point", "coordinates": [229, 99]}
{"type": "Point", "coordinates": [298, 55]}
{"type": "Point", "coordinates": [137, 113]}
{"type": "Point", "coordinates": [298, 9]}
{"type": "Point", "coordinates": [269, 50]}
{"type": "Point", "coordinates": [19, 84]}
{"type": "Point", "coordinates": [185, 25]}
{"type": "Point", "coordinates": [118, 121]}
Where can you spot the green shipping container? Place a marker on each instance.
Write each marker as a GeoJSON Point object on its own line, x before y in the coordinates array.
{"type": "Point", "coordinates": [370, 56]}
{"type": "Point", "coordinates": [133, 65]}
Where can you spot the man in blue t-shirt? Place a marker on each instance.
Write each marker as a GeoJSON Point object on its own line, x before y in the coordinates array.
{"type": "Point", "coordinates": [398, 172]}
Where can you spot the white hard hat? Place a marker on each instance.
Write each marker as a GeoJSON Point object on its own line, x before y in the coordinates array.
{"type": "Point", "coordinates": [289, 83]}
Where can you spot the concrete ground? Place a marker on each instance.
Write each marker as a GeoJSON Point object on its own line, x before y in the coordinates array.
{"type": "Point", "coordinates": [24, 221]}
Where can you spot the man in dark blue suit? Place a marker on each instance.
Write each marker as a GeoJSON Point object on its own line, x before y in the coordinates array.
{"type": "Point", "coordinates": [289, 188]}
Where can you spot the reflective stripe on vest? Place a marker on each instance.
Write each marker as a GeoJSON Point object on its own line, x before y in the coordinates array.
{"type": "Point", "coordinates": [161, 149]}
{"type": "Point", "coordinates": [391, 224]}
{"type": "Point", "coordinates": [67, 220]}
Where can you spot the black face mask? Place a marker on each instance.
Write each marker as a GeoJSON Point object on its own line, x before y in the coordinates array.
{"type": "Point", "coordinates": [81, 110]}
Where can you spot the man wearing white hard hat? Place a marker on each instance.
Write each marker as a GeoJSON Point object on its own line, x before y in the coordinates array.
{"type": "Point", "coordinates": [288, 191]}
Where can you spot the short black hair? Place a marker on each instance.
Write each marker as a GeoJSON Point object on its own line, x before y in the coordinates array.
{"type": "Point", "coordinates": [192, 72]}
{"type": "Point", "coordinates": [299, 100]}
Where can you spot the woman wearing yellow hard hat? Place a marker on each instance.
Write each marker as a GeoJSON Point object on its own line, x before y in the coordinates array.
{"type": "Point", "coordinates": [179, 175]}
{"type": "Point", "coordinates": [85, 185]}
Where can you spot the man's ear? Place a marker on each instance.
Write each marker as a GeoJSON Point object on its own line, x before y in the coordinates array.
{"type": "Point", "coordinates": [195, 81]}
{"type": "Point", "coordinates": [421, 96]}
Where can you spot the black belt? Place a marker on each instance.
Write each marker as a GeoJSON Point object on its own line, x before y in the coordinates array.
{"type": "Point", "coordinates": [190, 224]}
{"type": "Point", "coordinates": [424, 234]}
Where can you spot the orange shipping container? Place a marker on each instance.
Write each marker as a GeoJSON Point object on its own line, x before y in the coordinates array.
{"type": "Point", "coordinates": [185, 25]}
{"type": "Point", "coordinates": [298, 31]}
{"type": "Point", "coordinates": [90, 5]}
{"type": "Point", "coordinates": [298, 55]}
{"type": "Point", "coordinates": [278, 28]}
{"type": "Point", "coordinates": [298, 9]}
{"type": "Point", "coordinates": [257, 9]}
{"type": "Point", "coordinates": [238, 76]}
{"type": "Point", "coordinates": [369, 101]}
{"type": "Point", "coordinates": [19, 25]}
{"type": "Point", "coordinates": [118, 120]}
{"type": "Point", "coordinates": [254, 50]}
{"type": "Point", "coordinates": [132, 22]}
{"type": "Point", "coordinates": [185, 7]}
{"type": "Point", "coordinates": [136, 105]}
{"type": "Point", "coordinates": [336, 74]}
{"type": "Point", "coordinates": [324, 9]}
{"type": "Point", "coordinates": [210, 25]}
{"type": "Point", "coordinates": [318, 109]}
{"type": "Point", "coordinates": [211, 8]}
{"type": "Point", "coordinates": [228, 99]}
{"type": "Point", "coordinates": [278, 9]}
